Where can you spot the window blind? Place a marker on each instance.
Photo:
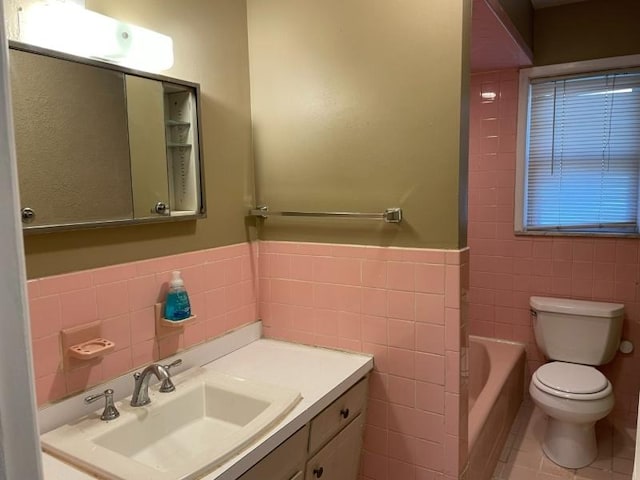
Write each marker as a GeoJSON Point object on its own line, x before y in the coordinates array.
{"type": "Point", "coordinates": [583, 154]}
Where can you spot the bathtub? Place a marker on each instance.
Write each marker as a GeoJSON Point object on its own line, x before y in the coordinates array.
{"type": "Point", "coordinates": [496, 386]}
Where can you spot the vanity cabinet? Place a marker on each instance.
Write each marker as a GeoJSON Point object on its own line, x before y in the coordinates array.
{"type": "Point", "coordinates": [337, 433]}
{"type": "Point", "coordinates": [340, 458]}
{"type": "Point", "coordinates": [284, 463]}
{"type": "Point", "coordinates": [327, 448]}
{"type": "Point", "coordinates": [337, 415]}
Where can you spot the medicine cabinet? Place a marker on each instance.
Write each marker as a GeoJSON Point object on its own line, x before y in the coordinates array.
{"type": "Point", "coordinates": [101, 145]}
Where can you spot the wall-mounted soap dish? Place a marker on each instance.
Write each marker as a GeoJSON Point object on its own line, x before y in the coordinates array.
{"type": "Point", "coordinates": [96, 347]}
{"type": "Point", "coordinates": [176, 323]}
{"type": "Point", "coordinates": [166, 327]}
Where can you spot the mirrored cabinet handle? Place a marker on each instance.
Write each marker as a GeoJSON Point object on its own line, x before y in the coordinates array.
{"type": "Point", "coordinates": [161, 208]}
{"type": "Point", "coordinates": [28, 215]}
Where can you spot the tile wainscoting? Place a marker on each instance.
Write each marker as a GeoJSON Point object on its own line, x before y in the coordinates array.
{"type": "Point", "coordinates": [221, 285]}
{"type": "Point", "coordinates": [404, 306]}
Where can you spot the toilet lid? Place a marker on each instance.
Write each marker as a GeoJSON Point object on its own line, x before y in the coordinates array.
{"type": "Point", "coordinates": [571, 378]}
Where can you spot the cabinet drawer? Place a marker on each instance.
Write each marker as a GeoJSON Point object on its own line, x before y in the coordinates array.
{"type": "Point", "coordinates": [333, 418]}
{"type": "Point", "coordinates": [283, 463]}
{"type": "Point", "coordinates": [340, 458]}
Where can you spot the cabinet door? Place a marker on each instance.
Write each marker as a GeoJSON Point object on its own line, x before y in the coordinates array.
{"type": "Point", "coordinates": [145, 110]}
{"type": "Point", "coordinates": [71, 140]}
{"type": "Point", "coordinates": [283, 463]}
{"type": "Point", "coordinates": [340, 458]}
{"type": "Point", "coordinates": [333, 418]}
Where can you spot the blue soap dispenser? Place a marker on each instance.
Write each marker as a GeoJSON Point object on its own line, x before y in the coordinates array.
{"type": "Point", "coordinates": [177, 306]}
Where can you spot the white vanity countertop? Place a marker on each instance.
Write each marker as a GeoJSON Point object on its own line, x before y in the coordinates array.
{"type": "Point", "coordinates": [320, 375]}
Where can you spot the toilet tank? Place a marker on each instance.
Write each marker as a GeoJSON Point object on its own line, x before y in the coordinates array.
{"type": "Point", "coordinates": [577, 331]}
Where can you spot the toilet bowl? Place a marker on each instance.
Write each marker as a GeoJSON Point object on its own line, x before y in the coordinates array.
{"type": "Point", "coordinates": [575, 335]}
{"type": "Point", "coordinates": [574, 397]}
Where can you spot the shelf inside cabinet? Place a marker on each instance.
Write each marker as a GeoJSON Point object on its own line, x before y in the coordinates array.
{"type": "Point", "coordinates": [182, 213]}
{"type": "Point", "coordinates": [183, 151]}
{"type": "Point", "coordinates": [178, 123]}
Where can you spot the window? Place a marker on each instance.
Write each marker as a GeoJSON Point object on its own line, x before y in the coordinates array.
{"type": "Point", "coordinates": [579, 160]}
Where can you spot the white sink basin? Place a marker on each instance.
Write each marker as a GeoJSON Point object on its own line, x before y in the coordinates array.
{"type": "Point", "coordinates": [179, 435]}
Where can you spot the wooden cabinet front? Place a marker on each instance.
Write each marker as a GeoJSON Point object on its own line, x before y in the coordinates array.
{"type": "Point", "coordinates": [286, 462]}
{"type": "Point", "coordinates": [340, 458]}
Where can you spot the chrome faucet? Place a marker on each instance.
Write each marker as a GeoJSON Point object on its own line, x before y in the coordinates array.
{"type": "Point", "coordinates": [140, 395]}
{"type": "Point", "coordinates": [110, 411]}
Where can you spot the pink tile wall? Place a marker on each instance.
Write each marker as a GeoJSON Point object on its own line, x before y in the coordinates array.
{"type": "Point", "coordinates": [403, 306]}
{"type": "Point", "coordinates": [221, 285]}
{"type": "Point", "coordinates": [506, 270]}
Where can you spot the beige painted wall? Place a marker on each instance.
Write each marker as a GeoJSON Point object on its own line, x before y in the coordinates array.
{"type": "Point", "coordinates": [210, 45]}
{"type": "Point", "coordinates": [586, 30]}
{"type": "Point", "coordinates": [357, 106]}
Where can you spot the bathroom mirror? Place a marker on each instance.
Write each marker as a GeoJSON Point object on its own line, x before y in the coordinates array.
{"type": "Point", "coordinates": [100, 145]}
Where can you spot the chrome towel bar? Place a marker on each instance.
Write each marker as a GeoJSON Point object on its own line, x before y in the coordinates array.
{"type": "Point", "coordinates": [390, 215]}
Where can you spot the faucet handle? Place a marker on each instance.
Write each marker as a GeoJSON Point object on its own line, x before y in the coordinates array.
{"type": "Point", "coordinates": [167, 385]}
{"type": "Point", "coordinates": [175, 363]}
{"type": "Point", "coordinates": [110, 411]}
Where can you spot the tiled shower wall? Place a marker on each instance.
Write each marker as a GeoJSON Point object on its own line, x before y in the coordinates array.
{"type": "Point", "coordinates": [403, 306]}
{"type": "Point", "coordinates": [221, 285]}
{"type": "Point", "coordinates": [507, 269]}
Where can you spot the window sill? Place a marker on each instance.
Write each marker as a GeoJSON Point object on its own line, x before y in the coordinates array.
{"type": "Point", "coordinates": [576, 234]}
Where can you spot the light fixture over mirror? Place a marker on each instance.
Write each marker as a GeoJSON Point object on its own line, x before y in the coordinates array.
{"type": "Point", "coordinates": [69, 27]}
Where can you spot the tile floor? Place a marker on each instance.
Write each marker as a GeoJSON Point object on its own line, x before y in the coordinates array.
{"type": "Point", "coordinates": [522, 457]}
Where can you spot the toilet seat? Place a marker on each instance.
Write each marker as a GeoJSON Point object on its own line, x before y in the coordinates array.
{"type": "Point", "coordinates": [571, 381]}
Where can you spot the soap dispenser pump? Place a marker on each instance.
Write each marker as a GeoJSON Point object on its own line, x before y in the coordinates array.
{"type": "Point", "coordinates": [177, 306]}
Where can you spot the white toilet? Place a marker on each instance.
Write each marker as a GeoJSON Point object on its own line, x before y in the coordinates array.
{"type": "Point", "coordinates": [574, 335]}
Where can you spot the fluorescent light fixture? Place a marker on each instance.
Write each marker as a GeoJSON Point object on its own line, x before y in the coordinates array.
{"type": "Point", "coordinates": [67, 27]}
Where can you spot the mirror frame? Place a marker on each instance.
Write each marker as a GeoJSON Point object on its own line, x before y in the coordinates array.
{"type": "Point", "coordinates": [202, 211]}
